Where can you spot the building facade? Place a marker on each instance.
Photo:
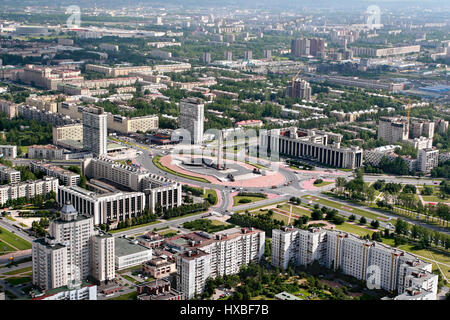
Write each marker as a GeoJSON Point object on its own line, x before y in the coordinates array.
{"type": "Point", "coordinates": [95, 133]}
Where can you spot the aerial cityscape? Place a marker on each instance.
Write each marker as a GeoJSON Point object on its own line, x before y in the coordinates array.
{"type": "Point", "coordinates": [224, 150]}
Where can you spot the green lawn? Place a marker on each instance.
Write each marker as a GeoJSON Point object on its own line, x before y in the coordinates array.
{"type": "Point", "coordinates": [17, 271]}
{"type": "Point", "coordinates": [297, 210]}
{"type": "Point", "coordinates": [323, 183]}
{"type": "Point", "coordinates": [213, 192]}
{"type": "Point", "coordinates": [18, 280]}
{"type": "Point", "coordinates": [14, 240]}
{"type": "Point", "coordinates": [131, 279]}
{"type": "Point", "coordinates": [156, 162]}
{"type": "Point", "coordinates": [236, 199]}
{"type": "Point", "coordinates": [187, 215]}
{"type": "Point", "coordinates": [347, 208]}
{"type": "Point", "coordinates": [434, 198]}
{"type": "Point", "coordinates": [350, 228]}
{"type": "Point", "coordinates": [8, 248]}
{"type": "Point", "coordinates": [134, 227]}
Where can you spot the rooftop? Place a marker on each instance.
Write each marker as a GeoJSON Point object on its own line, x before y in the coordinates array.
{"type": "Point", "coordinates": [124, 247]}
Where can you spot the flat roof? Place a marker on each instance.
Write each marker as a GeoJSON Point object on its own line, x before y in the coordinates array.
{"type": "Point", "coordinates": [124, 247]}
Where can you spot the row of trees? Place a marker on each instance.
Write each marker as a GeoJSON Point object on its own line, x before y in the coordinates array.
{"type": "Point", "coordinates": [263, 222]}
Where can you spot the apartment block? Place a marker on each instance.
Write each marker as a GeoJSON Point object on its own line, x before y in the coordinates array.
{"type": "Point", "coordinates": [95, 133]}
{"type": "Point", "coordinates": [9, 175]}
{"type": "Point", "coordinates": [427, 159]}
{"type": "Point", "coordinates": [8, 151]}
{"type": "Point", "coordinates": [393, 129]}
{"type": "Point", "coordinates": [384, 52]}
{"type": "Point", "coordinates": [28, 189]}
{"type": "Point", "coordinates": [203, 256]}
{"type": "Point", "coordinates": [69, 132]}
{"type": "Point", "coordinates": [48, 152]}
{"type": "Point", "coordinates": [192, 118]}
{"type": "Point", "coordinates": [380, 266]}
{"type": "Point", "coordinates": [66, 177]}
{"type": "Point", "coordinates": [299, 89]}
{"type": "Point", "coordinates": [128, 125]}
{"type": "Point", "coordinates": [102, 258]}
{"type": "Point", "coordinates": [47, 103]}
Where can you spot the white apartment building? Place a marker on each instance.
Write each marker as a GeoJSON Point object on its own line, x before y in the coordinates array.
{"type": "Point", "coordinates": [66, 177]}
{"type": "Point", "coordinates": [8, 151]}
{"type": "Point", "coordinates": [193, 269]}
{"type": "Point", "coordinates": [192, 118]}
{"type": "Point", "coordinates": [420, 143]}
{"type": "Point", "coordinates": [9, 175]}
{"type": "Point", "coordinates": [95, 133]}
{"type": "Point", "coordinates": [49, 264]}
{"type": "Point", "coordinates": [210, 256]}
{"type": "Point", "coordinates": [427, 159]}
{"type": "Point", "coordinates": [28, 189]}
{"type": "Point", "coordinates": [128, 125]}
{"type": "Point", "coordinates": [373, 262]}
{"type": "Point", "coordinates": [104, 208]}
{"type": "Point", "coordinates": [48, 152]}
{"type": "Point", "coordinates": [374, 156]}
{"type": "Point", "coordinates": [69, 132]}
{"type": "Point", "coordinates": [88, 292]}
{"type": "Point", "coordinates": [66, 256]}
{"type": "Point", "coordinates": [103, 258]}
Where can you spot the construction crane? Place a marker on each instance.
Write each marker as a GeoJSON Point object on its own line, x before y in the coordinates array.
{"type": "Point", "coordinates": [295, 77]}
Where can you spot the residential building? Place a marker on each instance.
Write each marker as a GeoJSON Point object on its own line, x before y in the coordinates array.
{"type": "Point", "coordinates": [55, 119]}
{"type": "Point", "coordinates": [310, 145]}
{"type": "Point", "coordinates": [422, 128]}
{"type": "Point", "coordinates": [248, 55]}
{"type": "Point", "coordinates": [82, 291]}
{"type": "Point", "coordinates": [9, 107]}
{"type": "Point", "coordinates": [299, 89]}
{"type": "Point", "coordinates": [28, 189]}
{"type": "Point", "coordinates": [48, 152]}
{"type": "Point", "coordinates": [150, 240]}
{"type": "Point", "coordinates": [95, 133]}
{"type": "Point", "coordinates": [9, 175]}
{"type": "Point", "coordinates": [393, 129]}
{"type": "Point", "coordinates": [384, 52]}
{"type": "Point", "coordinates": [66, 177]}
{"type": "Point", "coordinates": [102, 258]}
{"type": "Point", "coordinates": [268, 54]}
{"type": "Point", "coordinates": [380, 266]}
{"type": "Point", "coordinates": [427, 159]}
{"type": "Point", "coordinates": [8, 151]}
{"type": "Point", "coordinates": [129, 253]}
{"type": "Point", "coordinates": [228, 55]}
{"type": "Point", "coordinates": [69, 132]}
{"type": "Point", "coordinates": [192, 118]}
{"type": "Point", "coordinates": [127, 125]}
{"type": "Point", "coordinates": [47, 103]}
{"type": "Point", "coordinates": [206, 57]}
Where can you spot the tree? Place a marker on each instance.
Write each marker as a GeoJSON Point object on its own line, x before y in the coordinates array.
{"type": "Point", "coordinates": [409, 188]}
{"type": "Point", "coordinates": [401, 227]}
{"type": "Point", "coordinates": [427, 190]}
{"type": "Point", "coordinates": [362, 220]}
{"type": "Point", "coordinates": [375, 224]}
{"type": "Point", "coordinates": [352, 218]}
{"type": "Point", "coordinates": [379, 185]}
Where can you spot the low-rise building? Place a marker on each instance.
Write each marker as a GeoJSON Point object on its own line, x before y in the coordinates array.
{"type": "Point", "coordinates": [28, 189]}
{"type": "Point", "coordinates": [8, 151]}
{"type": "Point", "coordinates": [158, 290]}
{"type": "Point", "coordinates": [130, 253]}
{"type": "Point", "coordinates": [158, 268]}
{"type": "Point", "coordinates": [83, 291]}
{"type": "Point", "coordinates": [48, 152]}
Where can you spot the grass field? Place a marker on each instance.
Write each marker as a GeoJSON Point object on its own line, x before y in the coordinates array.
{"type": "Point", "coordinates": [434, 198]}
{"type": "Point", "coordinates": [156, 162]}
{"type": "Point", "coordinates": [350, 228]}
{"type": "Point", "coordinates": [14, 240]}
{"type": "Point", "coordinates": [347, 208]}
{"type": "Point", "coordinates": [236, 200]}
{"type": "Point", "coordinates": [17, 271]}
{"type": "Point", "coordinates": [4, 245]}
{"type": "Point", "coordinates": [297, 210]}
{"type": "Point", "coordinates": [213, 192]}
{"type": "Point", "coordinates": [323, 183]}
{"type": "Point", "coordinates": [18, 280]}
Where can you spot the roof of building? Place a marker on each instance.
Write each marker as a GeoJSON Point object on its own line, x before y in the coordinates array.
{"type": "Point", "coordinates": [124, 247]}
{"type": "Point", "coordinates": [286, 296]}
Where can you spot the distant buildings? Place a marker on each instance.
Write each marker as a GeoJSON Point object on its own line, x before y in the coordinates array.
{"type": "Point", "coordinates": [299, 89]}
{"type": "Point", "coordinates": [305, 47]}
{"type": "Point", "coordinates": [158, 290]}
{"type": "Point", "coordinates": [69, 132]}
{"type": "Point", "coordinates": [422, 128]}
{"type": "Point", "coordinates": [95, 133]}
{"type": "Point", "coordinates": [228, 55]}
{"type": "Point", "coordinates": [48, 152]}
{"type": "Point", "coordinates": [248, 55]}
{"type": "Point", "coordinates": [127, 125]}
{"type": "Point", "coordinates": [267, 54]}
{"type": "Point", "coordinates": [192, 118]}
{"type": "Point", "coordinates": [427, 159]}
{"type": "Point", "coordinates": [9, 175]}
{"type": "Point", "coordinates": [375, 263]}
{"type": "Point", "coordinates": [384, 52]}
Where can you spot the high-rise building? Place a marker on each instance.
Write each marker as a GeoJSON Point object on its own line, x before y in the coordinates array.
{"type": "Point", "coordinates": [301, 89]}
{"type": "Point", "coordinates": [192, 118]}
{"type": "Point", "coordinates": [72, 252]}
{"type": "Point", "coordinates": [375, 263]}
{"type": "Point", "coordinates": [95, 130]}
{"type": "Point", "coordinates": [316, 47]}
{"type": "Point", "coordinates": [248, 55]}
{"type": "Point", "coordinates": [206, 57]}
{"type": "Point", "coordinates": [300, 47]}
{"type": "Point", "coordinates": [393, 129]}
{"type": "Point", "coordinates": [228, 55]}
{"type": "Point", "coordinates": [427, 159]}
{"type": "Point", "coordinates": [267, 54]}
